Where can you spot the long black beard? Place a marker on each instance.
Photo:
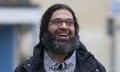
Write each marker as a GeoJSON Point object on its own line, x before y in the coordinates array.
{"type": "Point", "coordinates": [59, 47]}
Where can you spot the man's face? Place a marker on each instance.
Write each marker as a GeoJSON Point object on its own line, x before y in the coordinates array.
{"type": "Point", "coordinates": [61, 37]}
{"type": "Point", "coordinates": [61, 25]}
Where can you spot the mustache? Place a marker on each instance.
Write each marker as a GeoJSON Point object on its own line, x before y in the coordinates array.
{"type": "Point", "coordinates": [63, 30]}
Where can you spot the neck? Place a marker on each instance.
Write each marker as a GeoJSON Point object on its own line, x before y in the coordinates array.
{"type": "Point", "coordinates": [58, 57]}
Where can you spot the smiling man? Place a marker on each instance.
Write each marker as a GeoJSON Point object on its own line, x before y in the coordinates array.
{"type": "Point", "coordinates": [60, 49]}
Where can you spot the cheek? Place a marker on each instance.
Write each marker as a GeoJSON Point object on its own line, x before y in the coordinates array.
{"type": "Point", "coordinates": [52, 28]}
{"type": "Point", "coordinates": [72, 31]}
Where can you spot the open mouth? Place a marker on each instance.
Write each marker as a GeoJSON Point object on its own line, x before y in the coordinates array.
{"type": "Point", "coordinates": [62, 37]}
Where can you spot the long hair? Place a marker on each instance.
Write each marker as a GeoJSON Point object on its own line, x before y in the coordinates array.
{"type": "Point", "coordinates": [47, 16]}
{"type": "Point", "coordinates": [44, 27]}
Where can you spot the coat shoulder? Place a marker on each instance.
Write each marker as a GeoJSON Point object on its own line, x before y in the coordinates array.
{"type": "Point", "coordinates": [88, 62]}
{"type": "Point", "coordinates": [25, 66]}
{"type": "Point", "coordinates": [100, 67]}
{"type": "Point", "coordinates": [20, 68]}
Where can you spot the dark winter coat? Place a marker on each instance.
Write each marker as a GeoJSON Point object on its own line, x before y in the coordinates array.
{"type": "Point", "coordinates": [86, 62]}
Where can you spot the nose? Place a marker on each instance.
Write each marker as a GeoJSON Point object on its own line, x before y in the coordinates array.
{"type": "Point", "coordinates": [63, 25]}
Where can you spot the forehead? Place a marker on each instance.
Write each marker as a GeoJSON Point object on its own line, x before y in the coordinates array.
{"type": "Point", "coordinates": [62, 13]}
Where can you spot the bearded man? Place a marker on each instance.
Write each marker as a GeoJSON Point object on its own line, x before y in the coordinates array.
{"type": "Point", "coordinates": [59, 48]}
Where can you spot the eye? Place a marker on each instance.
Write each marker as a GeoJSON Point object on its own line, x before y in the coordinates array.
{"type": "Point", "coordinates": [56, 21]}
{"type": "Point", "coordinates": [69, 22]}
{"type": "Point", "coordinates": [59, 21]}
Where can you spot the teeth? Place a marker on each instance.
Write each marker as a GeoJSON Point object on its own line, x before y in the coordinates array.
{"type": "Point", "coordinates": [62, 35]}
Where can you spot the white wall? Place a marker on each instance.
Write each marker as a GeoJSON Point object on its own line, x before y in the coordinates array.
{"type": "Point", "coordinates": [117, 45]}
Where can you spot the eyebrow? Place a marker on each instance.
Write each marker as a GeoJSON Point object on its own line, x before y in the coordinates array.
{"type": "Point", "coordinates": [62, 19]}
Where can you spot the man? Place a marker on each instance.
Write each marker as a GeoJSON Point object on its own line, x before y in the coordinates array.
{"type": "Point", "coordinates": [60, 49]}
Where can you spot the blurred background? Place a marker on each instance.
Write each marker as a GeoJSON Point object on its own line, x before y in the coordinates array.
{"type": "Point", "coordinates": [99, 22]}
